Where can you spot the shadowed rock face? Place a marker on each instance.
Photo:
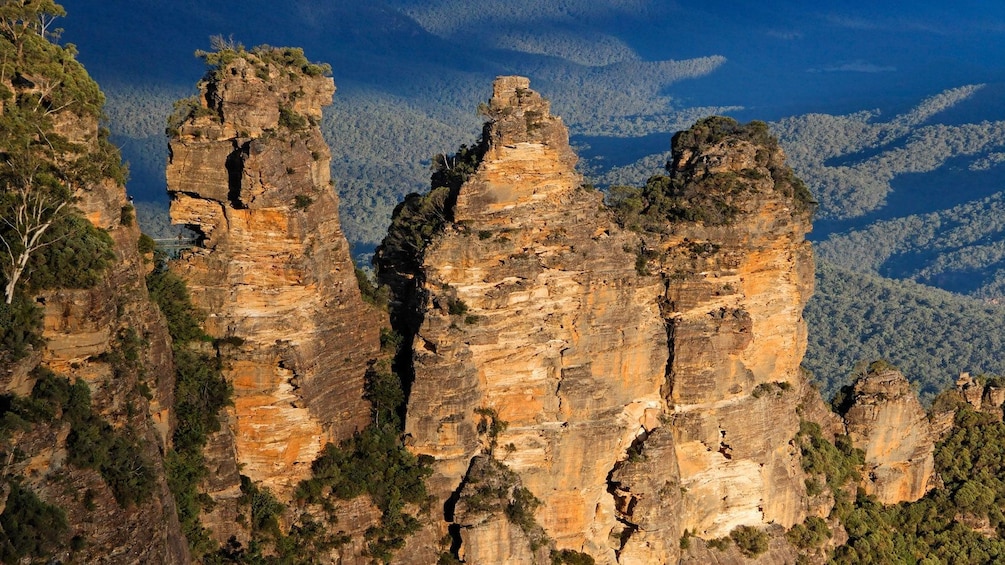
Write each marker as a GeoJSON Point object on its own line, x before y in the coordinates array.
{"type": "Point", "coordinates": [250, 172]}
{"type": "Point", "coordinates": [886, 421]}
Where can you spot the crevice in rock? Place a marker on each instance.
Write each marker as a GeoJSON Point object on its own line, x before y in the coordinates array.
{"type": "Point", "coordinates": [399, 257]}
{"type": "Point", "coordinates": [235, 170]}
{"type": "Point", "coordinates": [667, 388]}
{"type": "Point", "coordinates": [624, 500]}
{"type": "Point", "coordinates": [454, 531]}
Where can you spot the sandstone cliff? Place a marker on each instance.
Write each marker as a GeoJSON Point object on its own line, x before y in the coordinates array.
{"type": "Point", "coordinates": [104, 334]}
{"type": "Point", "coordinates": [637, 385]}
{"type": "Point", "coordinates": [886, 421]}
{"type": "Point", "coordinates": [249, 171]}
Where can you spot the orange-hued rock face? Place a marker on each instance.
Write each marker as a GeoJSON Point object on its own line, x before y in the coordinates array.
{"type": "Point", "coordinates": [250, 172]}
{"type": "Point", "coordinates": [886, 421]}
{"type": "Point", "coordinates": [636, 405]}
{"type": "Point", "coordinates": [736, 285]}
{"type": "Point", "coordinates": [533, 311]}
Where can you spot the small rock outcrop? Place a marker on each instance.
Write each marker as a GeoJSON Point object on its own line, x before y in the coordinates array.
{"type": "Point", "coordinates": [886, 421]}
{"type": "Point", "coordinates": [249, 171]}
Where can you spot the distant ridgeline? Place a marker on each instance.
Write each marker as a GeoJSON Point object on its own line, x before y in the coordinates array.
{"type": "Point", "coordinates": [540, 373]}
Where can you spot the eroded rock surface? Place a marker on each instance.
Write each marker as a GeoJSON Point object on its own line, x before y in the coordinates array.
{"type": "Point", "coordinates": [111, 337]}
{"type": "Point", "coordinates": [738, 273]}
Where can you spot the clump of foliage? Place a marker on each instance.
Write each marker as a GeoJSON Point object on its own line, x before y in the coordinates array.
{"type": "Point", "coordinates": [289, 59]}
{"type": "Point", "coordinates": [490, 425]}
{"type": "Point", "coordinates": [117, 455]}
{"type": "Point", "coordinates": [838, 462]}
{"type": "Point", "coordinates": [811, 534]}
{"type": "Point", "coordinates": [520, 512]}
{"type": "Point", "coordinates": [184, 110]}
{"type": "Point", "coordinates": [170, 293]}
{"type": "Point", "coordinates": [78, 257]}
{"type": "Point", "coordinates": [146, 244]}
{"type": "Point", "coordinates": [30, 528]}
{"type": "Point", "coordinates": [41, 171]}
{"type": "Point", "coordinates": [419, 217]}
{"type": "Point", "coordinates": [943, 527]}
{"type": "Point", "coordinates": [265, 509]}
{"type": "Point", "coordinates": [777, 388]}
{"type": "Point", "coordinates": [719, 544]}
{"type": "Point", "coordinates": [92, 442]}
{"type": "Point", "coordinates": [291, 120]}
{"type": "Point", "coordinates": [571, 557]}
{"type": "Point", "coordinates": [751, 541]}
{"type": "Point", "coordinates": [370, 291]}
{"type": "Point", "coordinates": [711, 199]}
{"type": "Point", "coordinates": [374, 462]}
{"type": "Point", "coordinates": [20, 328]}
{"type": "Point", "coordinates": [491, 487]}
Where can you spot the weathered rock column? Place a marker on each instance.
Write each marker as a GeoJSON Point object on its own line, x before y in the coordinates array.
{"type": "Point", "coordinates": [886, 421]}
{"type": "Point", "coordinates": [739, 273]}
{"type": "Point", "coordinates": [534, 317]}
{"type": "Point", "coordinates": [249, 171]}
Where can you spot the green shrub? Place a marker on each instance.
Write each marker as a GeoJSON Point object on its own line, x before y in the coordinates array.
{"type": "Point", "coordinates": [571, 557]}
{"type": "Point", "coordinates": [719, 544]}
{"type": "Point", "coordinates": [170, 293]}
{"type": "Point", "coordinates": [126, 215]}
{"type": "Point", "coordinates": [374, 462]}
{"type": "Point", "coordinates": [291, 120]}
{"type": "Point", "coordinates": [31, 528]}
{"type": "Point", "coordinates": [302, 202]}
{"type": "Point", "coordinates": [265, 509]}
{"type": "Point", "coordinates": [371, 293]}
{"type": "Point", "coordinates": [457, 307]}
{"type": "Point", "coordinates": [520, 512]}
{"type": "Point", "coordinates": [146, 244]}
{"type": "Point", "coordinates": [185, 110]}
{"type": "Point", "coordinates": [77, 258]}
{"type": "Point", "coordinates": [751, 541]}
{"type": "Point", "coordinates": [838, 462]}
{"type": "Point", "coordinates": [200, 393]}
{"type": "Point", "coordinates": [20, 328]}
{"type": "Point", "coordinates": [116, 454]}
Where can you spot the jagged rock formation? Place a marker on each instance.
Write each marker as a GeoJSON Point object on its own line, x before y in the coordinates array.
{"type": "Point", "coordinates": [249, 171]}
{"type": "Point", "coordinates": [887, 422]}
{"type": "Point", "coordinates": [636, 405]}
{"type": "Point", "coordinates": [533, 316]}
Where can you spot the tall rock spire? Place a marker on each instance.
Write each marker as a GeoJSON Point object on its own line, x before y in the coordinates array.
{"type": "Point", "coordinates": [249, 171]}
{"type": "Point", "coordinates": [541, 350]}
